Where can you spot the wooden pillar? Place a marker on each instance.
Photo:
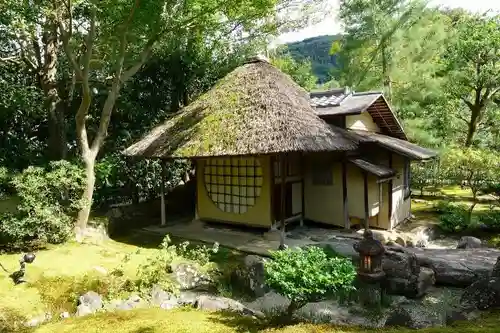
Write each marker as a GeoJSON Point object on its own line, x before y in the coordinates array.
{"type": "Point", "coordinates": [283, 200]}
{"type": "Point", "coordinates": [303, 203]}
{"type": "Point", "coordinates": [347, 222]}
{"type": "Point", "coordinates": [365, 195]}
{"type": "Point", "coordinates": [380, 199]}
{"type": "Point", "coordinates": [163, 208]}
{"type": "Point", "coordinates": [390, 194]}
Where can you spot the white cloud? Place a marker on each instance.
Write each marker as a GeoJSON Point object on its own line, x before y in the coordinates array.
{"type": "Point", "coordinates": [331, 25]}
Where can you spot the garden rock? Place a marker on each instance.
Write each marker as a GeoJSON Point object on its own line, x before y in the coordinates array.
{"type": "Point", "coordinates": [92, 300]}
{"type": "Point", "coordinates": [415, 286]}
{"type": "Point", "coordinates": [415, 317]}
{"type": "Point", "coordinates": [64, 315]}
{"type": "Point", "coordinates": [39, 320]}
{"type": "Point", "coordinates": [482, 295]}
{"type": "Point", "coordinates": [469, 242]}
{"type": "Point", "coordinates": [188, 298]}
{"type": "Point", "coordinates": [333, 313]}
{"type": "Point", "coordinates": [270, 303]}
{"type": "Point", "coordinates": [457, 267]}
{"type": "Point", "coordinates": [170, 304]}
{"type": "Point", "coordinates": [83, 310]}
{"type": "Point", "coordinates": [159, 296]}
{"type": "Point", "coordinates": [189, 277]}
{"type": "Point", "coordinates": [400, 264]}
{"type": "Point", "coordinates": [495, 272]}
{"type": "Point", "coordinates": [215, 303]}
{"type": "Point", "coordinates": [250, 277]}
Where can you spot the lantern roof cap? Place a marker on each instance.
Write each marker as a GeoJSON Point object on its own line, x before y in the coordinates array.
{"type": "Point", "coordinates": [369, 246]}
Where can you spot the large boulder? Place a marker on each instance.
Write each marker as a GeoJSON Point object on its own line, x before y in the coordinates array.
{"type": "Point", "coordinates": [331, 312]}
{"type": "Point", "coordinates": [415, 286]}
{"type": "Point", "coordinates": [469, 242]}
{"type": "Point", "coordinates": [250, 277]}
{"type": "Point", "coordinates": [482, 295]}
{"type": "Point", "coordinates": [495, 272]}
{"type": "Point", "coordinates": [189, 277]}
{"type": "Point", "coordinates": [457, 267]}
{"type": "Point", "coordinates": [400, 264]}
{"type": "Point", "coordinates": [271, 303]}
{"type": "Point", "coordinates": [415, 316]}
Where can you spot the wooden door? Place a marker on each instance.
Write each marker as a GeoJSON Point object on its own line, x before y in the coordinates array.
{"type": "Point", "coordinates": [277, 201]}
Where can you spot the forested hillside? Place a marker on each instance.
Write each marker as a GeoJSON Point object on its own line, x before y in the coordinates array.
{"type": "Point", "coordinates": [317, 51]}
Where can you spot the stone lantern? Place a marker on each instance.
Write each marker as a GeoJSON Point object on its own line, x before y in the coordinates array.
{"type": "Point", "coordinates": [370, 272]}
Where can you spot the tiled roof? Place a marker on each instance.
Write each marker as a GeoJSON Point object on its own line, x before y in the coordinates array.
{"type": "Point", "coordinates": [329, 98]}
{"type": "Point", "coordinates": [339, 102]}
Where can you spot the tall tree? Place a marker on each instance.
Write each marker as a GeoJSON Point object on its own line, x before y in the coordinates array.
{"type": "Point", "coordinates": [299, 70]}
{"type": "Point", "coordinates": [473, 68]}
{"type": "Point", "coordinates": [110, 40]}
{"type": "Point", "coordinates": [28, 34]}
{"type": "Point", "coordinates": [370, 26]}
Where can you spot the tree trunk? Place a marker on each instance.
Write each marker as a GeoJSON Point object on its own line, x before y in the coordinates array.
{"type": "Point", "coordinates": [294, 306]}
{"type": "Point", "coordinates": [385, 73]}
{"type": "Point", "coordinates": [48, 80]}
{"type": "Point", "coordinates": [474, 121]}
{"type": "Point", "coordinates": [84, 213]}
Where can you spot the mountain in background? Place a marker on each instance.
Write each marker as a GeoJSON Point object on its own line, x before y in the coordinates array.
{"type": "Point", "coordinates": [317, 51]}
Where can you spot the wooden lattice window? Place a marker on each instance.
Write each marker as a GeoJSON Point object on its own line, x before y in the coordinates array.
{"type": "Point", "coordinates": [233, 183]}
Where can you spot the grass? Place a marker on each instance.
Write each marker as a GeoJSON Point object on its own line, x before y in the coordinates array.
{"type": "Point", "coordinates": [61, 273]}
{"type": "Point", "coordinates": [187, 321]}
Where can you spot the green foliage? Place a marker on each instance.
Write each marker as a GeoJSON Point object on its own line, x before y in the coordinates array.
{"type": "Point", "coordinates": [472, 69]}
{"type": "Point", "coordinates": [300, 71]}
{"type": "Point", "coordinates": [452, 217]}
{"type": "Point", "coordinates": [306, 275]}
{"type": "Point", "coordinates": [491, 219]}
{"type": "Point", "coordinates": [154, 270]}
{"type": "Point", "coordinates": [48, 200]}
{"type": "Point", "coordinates": [476, 169]}
{"type": "Point", "coordinates": [317, 51]}
{"type": "Point", "coordinates": [118, 179]}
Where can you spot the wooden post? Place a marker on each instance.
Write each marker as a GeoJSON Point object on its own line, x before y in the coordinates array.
{"type": "Point", "coordinates": [365, 183]}
{"type": "Point", "coordinates": [303, 203]}
{"type": "Point", "coordinates": [347, 222]}
{"type": "Point", "coordinates": [163, 176]}
{"type": "Point", "coordinates": [390, 194]}
{"type": "Point", "coordinates": [283, 200]}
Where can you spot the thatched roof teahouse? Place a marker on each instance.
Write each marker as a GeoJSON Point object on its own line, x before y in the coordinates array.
{"type": "Point", "coordinates": [255, 109]}
{"type": "Point", "coordinates": [267, 153]}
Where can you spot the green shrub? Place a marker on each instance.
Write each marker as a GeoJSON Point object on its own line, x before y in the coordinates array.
{"type": "Point", "coordinates": [453, 217]}
{"type": "Point", "coordinates": [48, 199]}
{"type": "Point", "coordinates": [153, 271]}
{"type": "Point", "coordinates": [4, 181]}
{"type": "Point", "coordinates": [491, 219]}
{"type": "Point", "coordinates": [307, 275]}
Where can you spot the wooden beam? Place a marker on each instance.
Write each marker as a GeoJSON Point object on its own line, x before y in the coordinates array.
{"type": "Point", "coordinates": [365, 196]}
{"type": "Point", "coordinates": [347, 222]}
{"type": "Point", "coordinates": [163, 203]}
{"type": "Point", "coordinates": [283, 200]}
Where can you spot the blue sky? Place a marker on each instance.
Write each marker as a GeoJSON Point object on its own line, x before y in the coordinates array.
{"type": "Point", "coordinates": [330, 25]}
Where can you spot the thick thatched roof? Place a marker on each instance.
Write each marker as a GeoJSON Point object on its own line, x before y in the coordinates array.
{"type": "Point", "coordinates": [256, 109]}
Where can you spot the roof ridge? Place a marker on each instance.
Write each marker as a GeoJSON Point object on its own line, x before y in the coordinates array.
{"type": "Point", "coordinates": [364, 93]}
